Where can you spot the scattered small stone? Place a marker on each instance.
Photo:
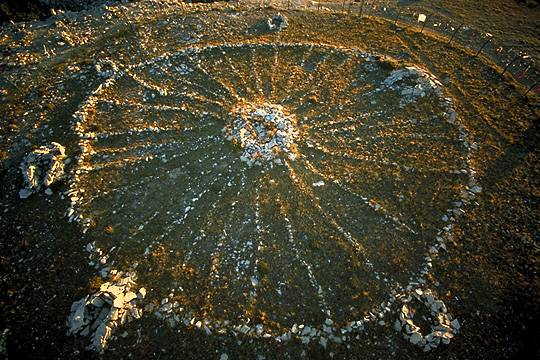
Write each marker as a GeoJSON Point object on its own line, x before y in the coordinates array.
{"type": "Point", "coordinates": [142, 291]}
{"type": "Point", "coordinates": [25, 193]}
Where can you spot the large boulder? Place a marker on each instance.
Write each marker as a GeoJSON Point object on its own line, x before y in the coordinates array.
{"type": "Point", "coordinates": [277, 23]}
{"type": "Point", "coordinates": [41, 168]}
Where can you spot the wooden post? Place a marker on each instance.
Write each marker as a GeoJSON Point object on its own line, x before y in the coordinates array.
{"type": "Point", "coordinates": [532, 87]}
{"type": "Point", "coordinates": [397, 16]}
{"type": "Point", "coordinates": [524, 72]}
{"type": "Point", "coordinates": [454, 34]}
{"type": "Point", "coordinates": [510, 63]}
{"type": "Point", "coordinates": [423, 24]}
{"type": "Point", "coordinates": [483, 46]}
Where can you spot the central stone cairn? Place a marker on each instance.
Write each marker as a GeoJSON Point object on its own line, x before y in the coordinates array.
{"type": "Point", "coordinates": [265, 132]}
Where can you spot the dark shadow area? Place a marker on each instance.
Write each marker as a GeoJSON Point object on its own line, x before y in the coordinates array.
{"type": "Point", "coordinates": [26, 10]}
{"type": "Point", "coordinates": [258, 29]}
{"type": "Point", "coordinates": [17, 10]}
{"type": "Point", "coordinates": [513, 156]}
{"type": "Point", "coordinates": [529, 3]}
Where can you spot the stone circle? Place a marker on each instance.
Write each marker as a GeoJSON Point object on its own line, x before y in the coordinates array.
{"type": "Point", "coordinates": [374, 169]}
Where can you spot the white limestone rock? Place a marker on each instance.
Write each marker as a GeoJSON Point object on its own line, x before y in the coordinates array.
{"type": "Point", "coordinates": [41, 168]}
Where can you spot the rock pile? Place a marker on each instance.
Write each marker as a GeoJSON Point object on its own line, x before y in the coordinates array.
{"type": "Point", "coordinates": [264, 132]}
{"type": "Point", "coordinates": [423, 83]}
{"type": "Point", "coordinates": [97, 315]}
{"type": "Point", "coordinates": [106, 68]}
{"type": "Point", "coordinates": [41, 168]}
{"type": "Point", "coordinates": [444, 329]}
{"type": "Point", "coordinates": [277, 23]}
